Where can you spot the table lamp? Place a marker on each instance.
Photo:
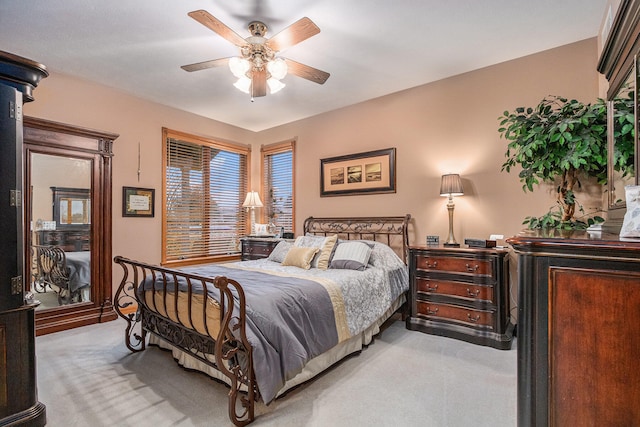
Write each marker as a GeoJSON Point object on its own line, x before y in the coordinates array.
{"type": "Point", "coordinates": [451, 185]}
{"type": "Point", "coordinates": [252, 201]}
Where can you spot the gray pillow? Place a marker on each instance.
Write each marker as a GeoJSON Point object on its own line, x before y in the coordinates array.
{"type": "Point", "coordinates": [351, 255]}
{"type": "Point", "coordinates": [280, 251]}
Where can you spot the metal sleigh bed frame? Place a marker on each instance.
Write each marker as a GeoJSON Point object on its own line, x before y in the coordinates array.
{"type": "Point", "coordinates": [227, 349]}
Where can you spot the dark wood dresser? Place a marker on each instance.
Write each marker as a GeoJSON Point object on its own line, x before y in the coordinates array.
{"type": "Point", "coordinates": [69, 240]}
{"type": "Point", "coordinates": [578, 329]}
{"type": "Point", "coordinates": [257, 247]}
{"type": "Point", "coordinates": [461, 293]}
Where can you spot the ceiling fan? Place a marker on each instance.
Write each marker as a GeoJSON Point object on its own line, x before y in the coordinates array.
{"type": "Point", "coordinates": [258, 66]}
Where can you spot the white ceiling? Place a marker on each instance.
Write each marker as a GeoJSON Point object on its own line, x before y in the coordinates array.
{"type": "Point", "coordinates": [370, 47]}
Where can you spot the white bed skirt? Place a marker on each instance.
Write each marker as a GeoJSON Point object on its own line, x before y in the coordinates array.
{"type": "Point", "coordinates": [311, 369]}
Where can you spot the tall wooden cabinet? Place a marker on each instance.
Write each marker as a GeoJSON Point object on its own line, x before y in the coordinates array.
{"type": "Point", "coordinates": [18, 393]}
{"type": "Point", "coordinates": [578, 329]}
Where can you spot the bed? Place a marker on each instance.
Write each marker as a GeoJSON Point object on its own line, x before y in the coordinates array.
{"type": "Point", "coordinates": [265, 326]}
{"type": "Point", "coordinates": [68, 274]}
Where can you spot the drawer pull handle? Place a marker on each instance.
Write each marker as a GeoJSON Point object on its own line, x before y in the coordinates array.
{"type": "Point", "coordinates": [431, 288]}
{"type": "Point", "coordinates": [432, 311]}
{"type": "Point", "coordinates": [473, 319]}
{"type": "Point", "coordinates": [472, 269]}
{"type": "Point", "coordinates": [474, 293]}
{"type": "Point", "coordinates": [432, 265]}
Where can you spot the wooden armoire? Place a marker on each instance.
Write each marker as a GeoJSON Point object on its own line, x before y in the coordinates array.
{"type": "Point", "coordinates": [19, 404]}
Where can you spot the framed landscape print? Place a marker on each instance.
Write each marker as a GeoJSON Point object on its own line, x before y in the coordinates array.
{"type": "Point", "coordinates": [373, 172]}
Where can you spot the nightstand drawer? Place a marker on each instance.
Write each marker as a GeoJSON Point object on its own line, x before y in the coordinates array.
{"type": "Point", "coordinates": [455, 265]}
{"type": "Point", "coordinates": [256, 248]}
{"type": "Point", "coordinates": [469, 317]}
{"type": "Point", "coordinates": [259, 250]}
{"type": "Point", "coordinates": [453, 288]}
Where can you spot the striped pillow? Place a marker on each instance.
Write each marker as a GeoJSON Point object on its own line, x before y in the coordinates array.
{"type": "Point", "coordinates": [351, 256]}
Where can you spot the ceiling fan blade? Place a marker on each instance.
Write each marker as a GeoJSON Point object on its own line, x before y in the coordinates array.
{"type": "Point", "coordinates": [306, 72]}
{"type": "Point", "coordinates": [259, 83]}
{"type": "Point", "coordinates": [206, 64]}
{"type": "Point", "coordinates": [293, 34]}
{"type": "Point", "coordinates": [215, 25]}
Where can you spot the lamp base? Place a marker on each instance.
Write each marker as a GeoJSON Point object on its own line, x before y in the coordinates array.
{"type": "Point", "coordinates": [451, 245]}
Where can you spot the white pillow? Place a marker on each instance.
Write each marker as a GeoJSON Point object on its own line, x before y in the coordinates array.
{"type": "Point", "coordinates": [351, 255]}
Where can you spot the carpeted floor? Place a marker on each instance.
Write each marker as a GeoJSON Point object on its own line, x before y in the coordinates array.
{"type": "Point", "coordinates": [87, 377]}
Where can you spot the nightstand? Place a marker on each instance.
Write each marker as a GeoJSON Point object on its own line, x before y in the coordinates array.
{"type": "Point", "coordinates": [461, 293]}
{"type": "Point", "coordinates": [257, 247]}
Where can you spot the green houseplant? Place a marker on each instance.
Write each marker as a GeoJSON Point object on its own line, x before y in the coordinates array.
{"type": "Point", "coordinates": [560, 141]}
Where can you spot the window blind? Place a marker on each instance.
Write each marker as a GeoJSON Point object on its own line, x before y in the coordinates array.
{"type": "Point", "coordinates": [205, 185]}
{"type": "Point", "coordinates": [278, 169]}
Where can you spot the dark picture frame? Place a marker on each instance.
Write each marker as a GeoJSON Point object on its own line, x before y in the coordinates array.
{"type": "Point", "coordinates": [138, 202]}
{"type": "Point", "coordinates": [371, 172]}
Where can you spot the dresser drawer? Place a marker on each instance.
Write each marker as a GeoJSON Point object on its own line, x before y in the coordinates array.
{"type": "Point", "coordinates": [452, 288]}
{"type": "Point", "coordinates": [455, 265]}
{"type": "Point", "coordinates": [470, 317]}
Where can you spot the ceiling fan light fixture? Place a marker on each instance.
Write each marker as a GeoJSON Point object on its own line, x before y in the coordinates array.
{"type": "Point", "coordinates": [275, 85]}
{"type": "Point", "coordinates": [239, 66]}
{"type": "Point", "coordinates": [243, 84]}
{"type": "Point", "coordinates": [257, 68]}
{"type": "Point", "coordinates": [277, 68]}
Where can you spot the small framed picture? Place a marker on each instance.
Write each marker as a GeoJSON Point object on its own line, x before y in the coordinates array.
{"type": "Point", "coordinates": [138, 201]}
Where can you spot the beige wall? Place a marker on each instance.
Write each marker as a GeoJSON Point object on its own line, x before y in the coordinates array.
{"type": "Point", "coordinates": [448, 126]}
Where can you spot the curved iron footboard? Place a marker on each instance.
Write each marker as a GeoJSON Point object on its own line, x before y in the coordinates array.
{"type": "Point", "coordinates": [229, 351]}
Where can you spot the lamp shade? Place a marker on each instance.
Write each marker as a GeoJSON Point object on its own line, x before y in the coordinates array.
{"type": "Point", "coordinates": [243, 84]}
{"type": "Point", "coordinates": [252, 200]}
{"type": "Point", "coordinates": [277, 68]}
{"type": "Point", "coordinates": [239, 66]}
{"type": "Point", "coordinates": [451, 184]}
{"type": "Point", "coordinates": [274, 85]}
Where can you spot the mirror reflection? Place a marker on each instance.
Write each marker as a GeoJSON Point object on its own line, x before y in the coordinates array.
{"type": "Point", "coordinates": [621, 167]}
{"type": "Point", "coordinates": [60, 227]}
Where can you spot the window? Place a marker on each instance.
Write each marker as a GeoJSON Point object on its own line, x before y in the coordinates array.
{"type": "Point", "coordinates": [205, 182]}
{"type": "Point", "coordinates": [277, 184]}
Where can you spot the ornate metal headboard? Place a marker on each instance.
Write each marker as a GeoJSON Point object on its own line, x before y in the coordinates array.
{"type": "Point", "coordinates": [390, 230]}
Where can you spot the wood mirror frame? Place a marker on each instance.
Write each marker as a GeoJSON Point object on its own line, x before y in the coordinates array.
{"type": "Point", "coordinates": [47, 137]}
{"type": "Point", "coordinates": [618, 62]}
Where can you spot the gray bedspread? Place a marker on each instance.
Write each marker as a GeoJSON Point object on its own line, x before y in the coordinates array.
{"type": "Point", "coordinates": [79, 265]}
{"type": "Point", "coordinates": [289, 322]}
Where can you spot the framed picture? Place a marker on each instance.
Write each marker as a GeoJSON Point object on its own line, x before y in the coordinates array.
{"type": "Point", "coordinates": [373, 172]}
{"type": "Point", "coordinates": [138, 201]}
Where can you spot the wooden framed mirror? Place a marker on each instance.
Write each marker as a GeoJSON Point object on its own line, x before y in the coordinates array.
{"type": "Point", "coordinates": [619, 64]}
{"type": "Point", "coordinates": [622, 140]}
{"type": "Point", "coordinates": [68, 207]}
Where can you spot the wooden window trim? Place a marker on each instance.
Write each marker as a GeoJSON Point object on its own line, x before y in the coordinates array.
{"type": "Point", "coordinates": [275, 148]}
{"type": "Point", "coordinates": [243, 149]}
